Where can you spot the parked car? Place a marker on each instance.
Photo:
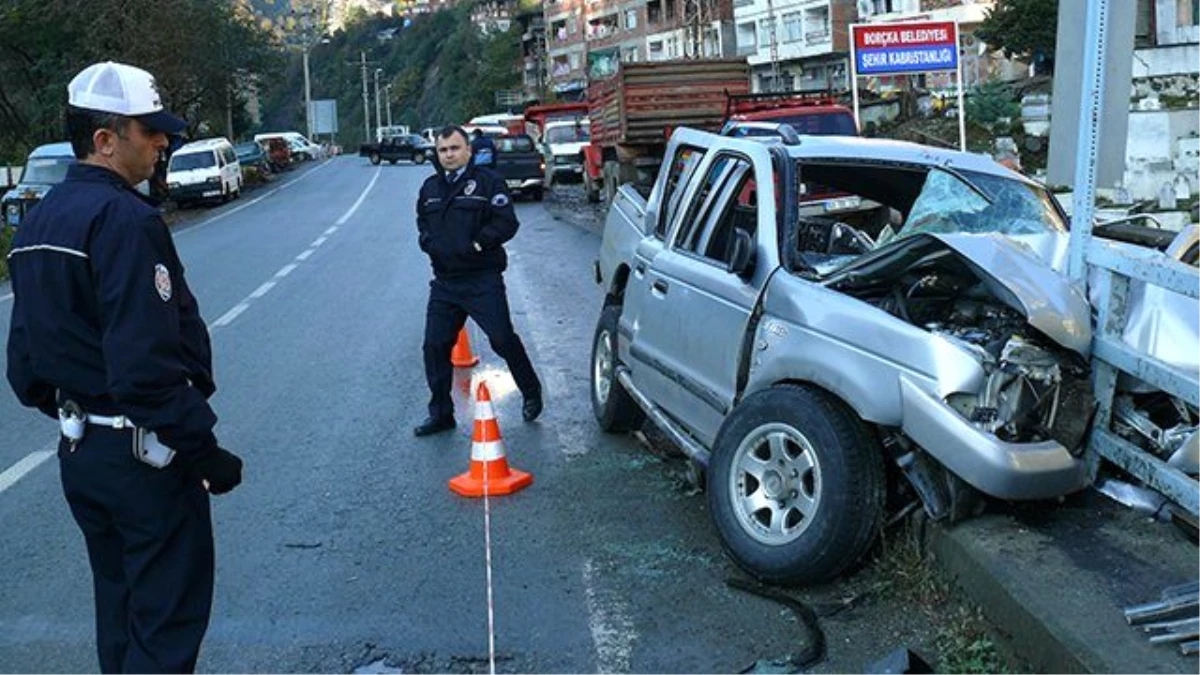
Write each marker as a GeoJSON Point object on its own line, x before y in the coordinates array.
{"type": "Point", "coordinates": [301, 149]}
{"type": "Point", "coordinates": [922, 323]}
{"type": "Point", "coordinates": [205, 170]}
{"type": "Point", "coordinates": [520, 162]}
{"type": "Point", "coordinates": [251, 154]}
{"type": "Point", "coordinates": [409, 147]}
{"type": "Point", "coordinates": [563, 141]}
{"type": "Point", "coordinates": [45, 168]}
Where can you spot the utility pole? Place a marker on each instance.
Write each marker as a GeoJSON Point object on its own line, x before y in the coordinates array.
{"type": "Point", "coordinates": [378, 117]}
{"type": "Point", "coordinates": [307, 95]}
{"type": "Point", "coordinates": [774, 47]}
{"type": "Point", "coordinates": [387, 97]}
{"type": "Point", "coordinates": [366, 102]}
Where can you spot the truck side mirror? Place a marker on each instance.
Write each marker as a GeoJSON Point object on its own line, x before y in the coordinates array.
{"type": "Point", "coordinates": [741, 255]}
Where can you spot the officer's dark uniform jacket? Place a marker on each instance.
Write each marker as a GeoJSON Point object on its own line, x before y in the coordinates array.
{"type": "Point", "coordinates": [103, 315]}
{"type": "Point", "coordinates": [452, 217]}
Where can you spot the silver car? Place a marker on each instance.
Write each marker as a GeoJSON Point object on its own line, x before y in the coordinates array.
{"type": "Point", "coordinates": [804, 316]}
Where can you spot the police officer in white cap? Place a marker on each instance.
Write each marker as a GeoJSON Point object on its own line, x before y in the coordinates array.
{"type": "Point", "coordinates": [107, 339]}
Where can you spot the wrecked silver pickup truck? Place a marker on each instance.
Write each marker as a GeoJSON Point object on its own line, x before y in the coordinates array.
{"type": "Point", "coordinates": [796, 345]}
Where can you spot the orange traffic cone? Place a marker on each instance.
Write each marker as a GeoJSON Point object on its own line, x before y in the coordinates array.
{"type": "Point", "coordinates": [489, 473]}
{"type": "Point", "coordinates": [461, 356]}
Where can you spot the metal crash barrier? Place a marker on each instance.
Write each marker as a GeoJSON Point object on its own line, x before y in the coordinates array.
{"type": "Point", "coordinates": [1113, 269]}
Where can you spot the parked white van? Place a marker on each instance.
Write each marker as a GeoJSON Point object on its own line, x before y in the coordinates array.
{"type": "Point", "coordinates": [202, 170]}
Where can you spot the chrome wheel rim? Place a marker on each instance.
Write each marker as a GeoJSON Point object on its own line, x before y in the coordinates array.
{"type": "Point", "coordinates": [602, 368]}
{"type": "Point", "coordinates": [775, 484]}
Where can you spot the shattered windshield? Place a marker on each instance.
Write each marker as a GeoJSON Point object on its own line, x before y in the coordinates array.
{"type": "Point", "coordinates": [968, 202]}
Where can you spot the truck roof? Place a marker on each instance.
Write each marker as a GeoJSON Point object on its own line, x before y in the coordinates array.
{"type": "Point", "coordinates": [62, 149]}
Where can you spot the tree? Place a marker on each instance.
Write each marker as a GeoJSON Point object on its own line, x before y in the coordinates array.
{"type": "Point", "coordinates": [1024, 29]}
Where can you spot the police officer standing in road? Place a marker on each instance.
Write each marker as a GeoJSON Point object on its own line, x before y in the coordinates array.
{"type": "Point", "coordinates": [464, 216]}
{"type": "Point", "coordinates": [483, 149]}
{"type": "Point", "coordinates": [107, 338]}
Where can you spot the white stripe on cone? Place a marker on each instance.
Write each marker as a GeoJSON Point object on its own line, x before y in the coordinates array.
{"type": "Point", "coordinates": [487, 451]}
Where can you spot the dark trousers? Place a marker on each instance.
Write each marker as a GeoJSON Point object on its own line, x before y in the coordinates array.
{"type": "Point", "coordinates": [451, 301]}
{"type": "Point", "coordinates": [149, 540]}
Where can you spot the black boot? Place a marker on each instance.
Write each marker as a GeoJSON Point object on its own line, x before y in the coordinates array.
{"type": "Point", "coordinates": [434, 425]}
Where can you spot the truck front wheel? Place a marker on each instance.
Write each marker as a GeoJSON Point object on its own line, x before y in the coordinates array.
{"type": "Point", "coordinates": [795, 486]}
{"type": "Point", "coordinates": [614, 408]}
{"type": "Point", "coordinates": [590, 188]}
{"type": "Point", "coordinates": [375, 158]}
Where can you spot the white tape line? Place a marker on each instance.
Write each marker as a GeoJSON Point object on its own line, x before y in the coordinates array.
{"type": "Point", "coordinates": [262, 290]}
{"type": "Point", "coordinates": [304, 255]}
{"type": "Point", "coordinates": [318, 241]}
{"type": "Point", "coordinates": [286, 270]}
{"type": "Point", "coordinates": [346, 216]}
{"type": "Point", "coordinates": [228, 317]}
{"type": "Point", "coordinates": [28, 463]}
{"type": "Point", "coordinates": [487, 547]}
{"type": "Point", "coordinates": [608, 619]}
{"type": "Point", "coordinates": [331, 230]}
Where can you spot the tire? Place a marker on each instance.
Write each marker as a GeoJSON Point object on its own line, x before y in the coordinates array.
{"type": "Point", "coordinates": [614, 408]}
{"type": "Point", "coordinates": [419, 158]}
{"type": "Point", "coordinates": [590, 189]}
{"type": "Point", "coordinates": [778, 446]}
{"type": "Point", "coordinates": [536, 194]}
{"type": "Point", "coordinates": [375, 158]}
{"type": "Point", "coordinates": [393, 161]}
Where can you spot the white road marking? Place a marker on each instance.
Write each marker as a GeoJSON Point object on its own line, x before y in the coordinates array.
{"type": "Point", "coordinates": [252, 202]}
{"type": "Point", "coordinates": [487, 547]}
{"type": "Point", "coordinates": [608, 619]}
{"type": "Point", "coordinates": [34, 459]}
{"type": "Point", "coordinates": [28, 463]}
{"type": "Point", "coordinates": [262, 290]}
{"type": "Point", "coordinates": [228, 317]}
{"type": "Point", "coordinates": [346, 216]}
{"type": "Point", "coordinates": [318, 241]}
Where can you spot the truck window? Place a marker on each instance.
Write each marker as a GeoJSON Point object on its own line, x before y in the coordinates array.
{"type": "Point", "coordinates": [714, 210]}
{"type": "Point", "coordinates": [682, 165]}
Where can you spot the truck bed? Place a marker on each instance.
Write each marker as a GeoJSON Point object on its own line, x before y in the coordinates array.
{"type": "Point", "coordinates": [643, 102]}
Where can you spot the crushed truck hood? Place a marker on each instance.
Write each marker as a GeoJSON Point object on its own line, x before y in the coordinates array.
{"type": "Point", "coordinates": [1013, 273]}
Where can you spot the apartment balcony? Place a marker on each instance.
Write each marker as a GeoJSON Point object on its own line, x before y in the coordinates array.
{"type": "Point", "coordinates": [746, 50]}
{"type": "Point", "coordinates": [818, 37]}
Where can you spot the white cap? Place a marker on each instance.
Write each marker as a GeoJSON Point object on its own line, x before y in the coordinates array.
{"type": "Point", "coordinates": [122, 90]}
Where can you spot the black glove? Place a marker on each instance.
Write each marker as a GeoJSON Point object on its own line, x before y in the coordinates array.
{"type": "Point", "coordinates": [221, 469]}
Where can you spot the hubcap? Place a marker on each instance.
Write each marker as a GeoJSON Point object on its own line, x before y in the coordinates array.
{"type": "Point", "coordinates": [602, 368]}
{"type": "Point", "coordinates": [775, 483]}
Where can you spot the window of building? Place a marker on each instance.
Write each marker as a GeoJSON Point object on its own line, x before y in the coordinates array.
{"type": "Point", "coordinates": [655, 51]}
{"type": "Point", "coordinates": [792, 30]}
{"type": "Point", "coordinates": [631, 19]}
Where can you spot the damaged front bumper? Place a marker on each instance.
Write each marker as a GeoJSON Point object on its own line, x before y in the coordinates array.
{"type": "Point", "coordinates": [998, 468]}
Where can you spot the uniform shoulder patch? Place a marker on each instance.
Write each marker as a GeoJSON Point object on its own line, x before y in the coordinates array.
{"type": "Point", "coordinates": [162, 282]}
{"type": "Point", "coordinates": [500, 200]}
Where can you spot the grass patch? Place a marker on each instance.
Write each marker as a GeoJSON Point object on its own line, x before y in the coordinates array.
{"type": "Point", "coordinates": [6, 235]}
{"type": "Point", "coordinates": [962, 637]}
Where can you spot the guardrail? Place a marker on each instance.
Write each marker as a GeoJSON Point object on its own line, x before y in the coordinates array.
{"type": "Point", "coordinates": [1115, 268]}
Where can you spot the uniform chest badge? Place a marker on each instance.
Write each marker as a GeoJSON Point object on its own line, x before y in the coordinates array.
{"type": "Point", "coordinates": [162, 282]}
{"type": "Point", "coordinates": [470, 188]}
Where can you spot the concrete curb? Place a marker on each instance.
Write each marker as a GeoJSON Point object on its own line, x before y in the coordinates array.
{"type": "Point", "coordinates": [1054, 585]}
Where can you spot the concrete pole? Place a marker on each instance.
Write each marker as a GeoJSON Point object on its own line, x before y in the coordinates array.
{"type": "Point", "coordinates": [387, 97]}
{"type": "Point", "coordinates": [307, 96]}
{"type": "Point", "coordinates": [378, 117]}
{"type": "Point", "coordinates": [366, 102]}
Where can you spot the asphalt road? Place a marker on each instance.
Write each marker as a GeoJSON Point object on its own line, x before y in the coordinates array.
{"type": "Point", "coordinates": [344, 547]}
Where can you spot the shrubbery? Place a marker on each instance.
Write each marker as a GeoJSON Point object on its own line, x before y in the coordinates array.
{"type": "Point", "coordinates": [6, 235]}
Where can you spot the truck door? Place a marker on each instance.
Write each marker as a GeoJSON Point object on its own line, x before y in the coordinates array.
{"type": "Point", "coordinates": [677, 178]}
{"type": "Point", "coordinates": [694, 325]}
